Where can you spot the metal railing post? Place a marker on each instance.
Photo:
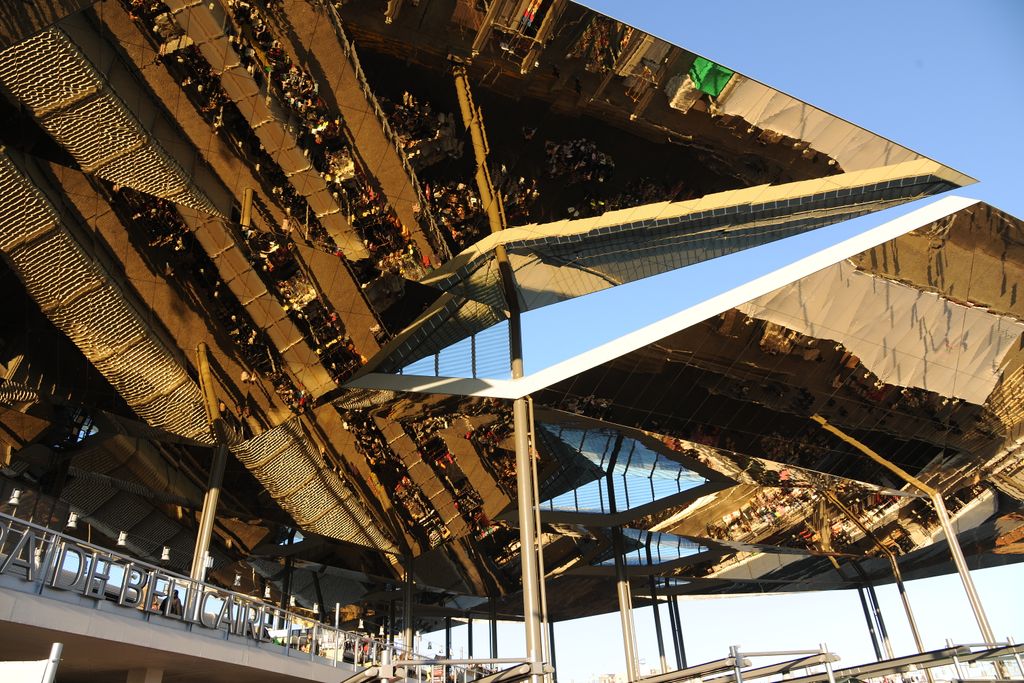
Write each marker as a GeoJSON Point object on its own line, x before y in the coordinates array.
{"type": "Point", "coordinates": [823, 649]}
{"type": "Point", "coordinates": [737, 662]}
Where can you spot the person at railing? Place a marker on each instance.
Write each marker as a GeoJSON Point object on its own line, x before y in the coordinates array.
{"type": "Point", "coordinates": [174, 605]}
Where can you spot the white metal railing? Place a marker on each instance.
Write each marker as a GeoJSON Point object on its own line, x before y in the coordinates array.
{"type": "Point", "coordinates": [49, 562]}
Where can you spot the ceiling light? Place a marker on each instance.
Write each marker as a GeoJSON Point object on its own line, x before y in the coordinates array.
{"type": "Point", "coordinates": [15, 497]}
{"type": "Point", "coordinates": [165, 553]}
{"type": "Point", "coordinates": [122, 539]}
{"type": "Point", "coordinates": [73, 520]}
{"type": "Point", "coordinates": [238, 580]}
{"type": "Point", "coordinates": [266, 592]}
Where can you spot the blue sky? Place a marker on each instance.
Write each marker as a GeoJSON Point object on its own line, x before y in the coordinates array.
{"type": "Point", "coordinates": [940, 77]}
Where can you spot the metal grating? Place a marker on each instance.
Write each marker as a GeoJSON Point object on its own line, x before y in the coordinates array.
{"type": "Point", "coordinates": [74, 104]}
{"type": "Point", "coordinates": [292, 470]}
{"type": "Point", "coordinates": [45, 72]}
{"type": "Point", "coordinates": [84, 304]}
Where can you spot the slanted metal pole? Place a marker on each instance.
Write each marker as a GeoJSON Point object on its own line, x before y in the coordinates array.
{"type": "Point", "coordinates": [893, 564]}
{"type": "Point", "coordinates": [877, 609]}
{"type": "Point", "coordinates": [679, 625]}
{"type": "Point", "coordinates": [871, 623]}
{"type": "Point", "coordinates": [943, 515]}
{"type": "Point", "coordinates": [209, 513]}
{"type": "Point", "coordinates": [52, 662]}
{"type": "Point", "coordinates": [673, 631]}
{"type": "Point", "coordinates": [823, 648]}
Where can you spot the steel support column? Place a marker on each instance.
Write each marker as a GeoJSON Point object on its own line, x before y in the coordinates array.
{"type": "Point", "coordinates": [870, 622]}
{"type": "Point", "coordinates": [625, 608]}
{"type": "Point", "coordinates": [656, 606]}
{"type": "Point", "coordinates": [493, 628]}
{"type": "Point", "coordinates": [679, 625]}
{"type": "Point", "coordinates": [882, 631]}
{"type": "Point", "coordinates": [940, 510]}
{"type": "Point", "coordinates": [407, 606]}
{"type": "Point", "coordinates": [204, 533]}
{"type": "Point", "coordinates": [551, 642]}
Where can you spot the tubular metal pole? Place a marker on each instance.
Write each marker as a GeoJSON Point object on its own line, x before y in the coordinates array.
{"type": "Point", "coordinates": [882, 631]}
{"type": "Point", "coordinates": [491, 202]}
{"type": "Point", "coordinates": [737, 662]}
{"type": "Point", "coordinates": [52, 662]}
{"type": "Point", "coordinates": [943, 515]}
{"type": "Point", "coordinates": [828, 665]}
{"type": "Point", "coordinates": [679, 624]}
{"type": "Point", "coordinates": [673, 630]}
{"type": "Point", "coordinates": [493, 628]}
{"type": "Point", "coordinates": [625, 607]}
{"type": "Point", "coordinates": [469, 636]}
{"type": "Point", "coordinates": [407, 606]}
{"type": "Point", "coordinates": [546, 644]}
{"type": "Point", "coordinates": [209, 513]}
{"type": "Point", "coordinates": [656, 606]}
{"type": "Point", "coordinates": [527, 533]}
{"type": "Point", "coordinates": [871, 623]}
{"type": "Point", "coordinates": [893, 564]}
{"type": "Point", "coordinates": [961, 567]}
{"type": "Point", "coordinates": [551, 641]}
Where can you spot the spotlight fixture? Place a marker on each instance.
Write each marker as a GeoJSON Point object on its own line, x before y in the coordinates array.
{"type": "Point", "coordinates": [122, 539]}
{"type": "Point", "coordinates": [73, 520]}
{"type": "Point", "coordinates": [360, 624]}
{"type": "Point", "coordinates": [165, 553]}
{"type": "Point", "coordinates": [291, 601]}
{"type": "Point", "coordinates": [266, 592]}
{"type": "Point", "coordinates": [238, 580]}
{"type": "Point", "coordinates": [15, 497]}
{"type": "Point", "coordinates": [316, 608]}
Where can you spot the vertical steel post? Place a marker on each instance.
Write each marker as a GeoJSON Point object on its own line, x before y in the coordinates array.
{"type": "Point", "coordinates": [551, 640]}
{"type": "Point", "coordinates": [625, 608]}
{"type": "Point", "coordinates": [882, 631]}
{"type": "Point", "coordinates": [823, 649]}
{"type": "Point", "coordinates": [870, 622]}
{"type": "Point", "coordinates": [469, 636]}
{"type": "Point", "coordinates": [407, 607]}
{"type": "Point", "coordinates": [737, 662]}
{"type": "Point", "coordinates": [493, 630]}
{"type": "Point", "coordinates": [679, 624]}
{"type": "Point", "coordinates": [673, 631]}
{"type": "Point", "coordinates": [209, 513]}
{"type": "Point", "coordinates": [656, 606]}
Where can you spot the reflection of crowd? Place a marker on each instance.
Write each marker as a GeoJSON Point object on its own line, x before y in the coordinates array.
{"type": "Point", "coordinates": [273, 258]}
{"type": "Point", "coordinates": [426, 136]}
{"type": "Point", "coordinates": [458, 209]}
{"type": "Point", "coordinates": [325, 140]}
{"type": "Point", "coordinates": [578, 161]}
{"type": "Point", "coordinates": [418, 514]}
{"type": "Point", "coordinates": [175, 249]}
{"type": "Point", "coordinates": [600, 44]}
{"type": "Point", "coordinates": [435, 452]}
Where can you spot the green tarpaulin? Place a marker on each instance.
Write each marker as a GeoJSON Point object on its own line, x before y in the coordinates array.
{"type": "Point", "coordinates": [709, 77]}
